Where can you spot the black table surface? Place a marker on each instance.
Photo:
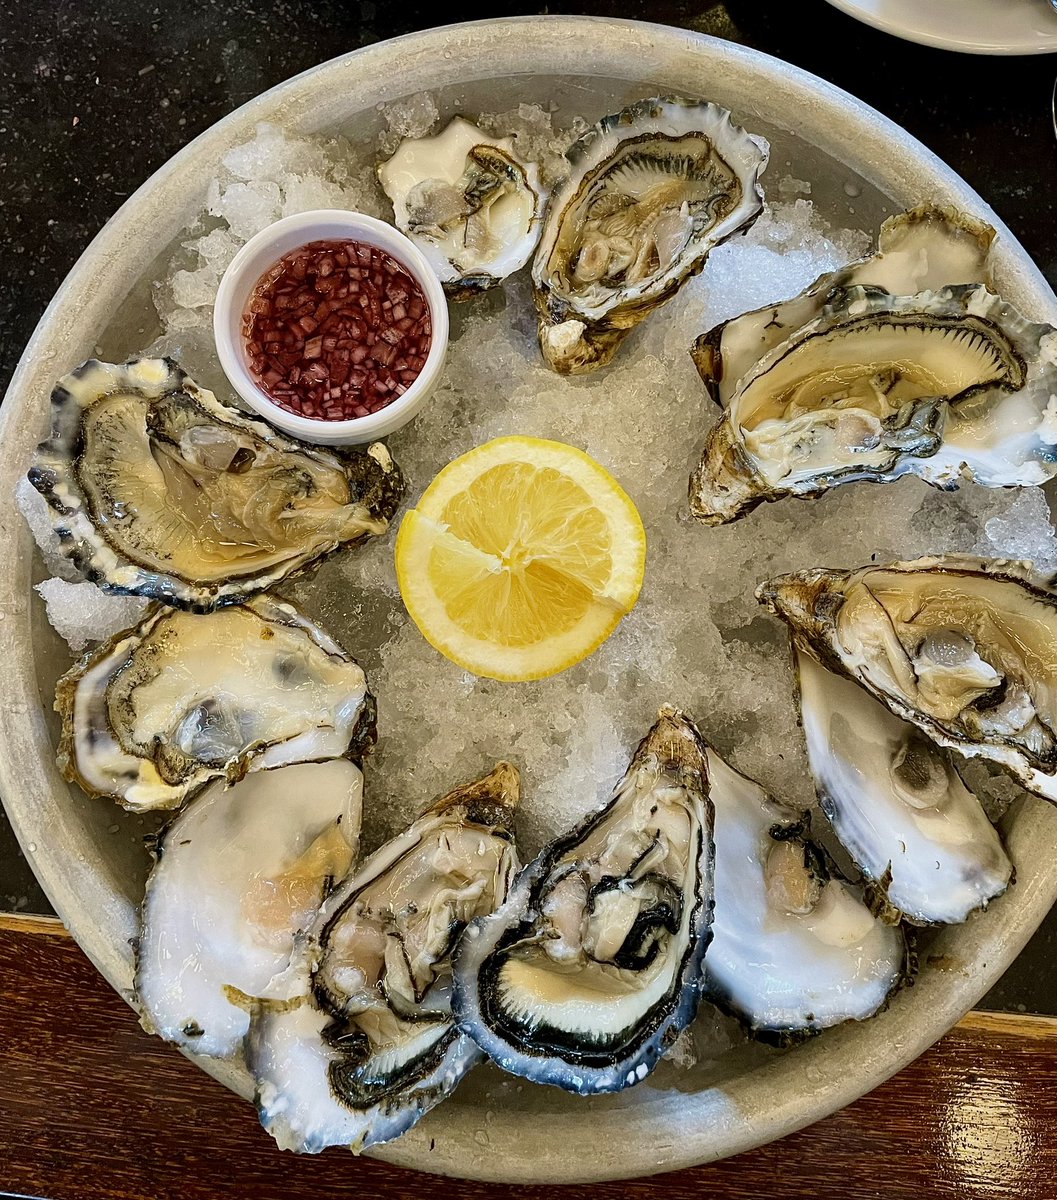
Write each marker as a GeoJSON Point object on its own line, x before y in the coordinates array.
{"type": "Point", "coordinates": [94, 98]}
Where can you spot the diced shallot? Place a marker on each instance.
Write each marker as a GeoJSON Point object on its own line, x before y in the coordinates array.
{"type": "Point", "coordinates": [336, 330]}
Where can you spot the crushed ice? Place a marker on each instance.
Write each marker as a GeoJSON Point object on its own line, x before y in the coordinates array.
{"type": "Point", "coordinates": [697, 638]}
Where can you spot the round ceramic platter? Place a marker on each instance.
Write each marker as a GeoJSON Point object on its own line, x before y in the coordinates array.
{"type": "Point", "coordinates": [971, 26]}
{"type": "Point", "coordinates": [496, 1128]}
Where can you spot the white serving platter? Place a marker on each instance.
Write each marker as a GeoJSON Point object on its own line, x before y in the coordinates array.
{"type": "Point", "coordinates": [497, 1129]}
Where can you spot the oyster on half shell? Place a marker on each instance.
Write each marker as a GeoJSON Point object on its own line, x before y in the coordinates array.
{"type": "Point", "coordinates": [468, 203]}
{"type": "Point", "coordinates": [371, 1046]}
{"type": "Point", "coordinates": [921, 250]}
{"type": "Point", "coordinates": [897, 804]}
{"type": "Point", "coordinates": [652, 190]}
{"type": "Point", "coordinates": [963, 648]}
{"type": "Point", "coordinates": [795, 948]}
{"type": "Point", "coordinates": [156, 489]}
{"type": "Point", "coordinates": [950, 385]}
{"type": "Point", "coordinates": [592, 967]}
{"type": "Point", "coordinates": [161, 709]}
{"type": "Point", "coordinates": [240, 873]}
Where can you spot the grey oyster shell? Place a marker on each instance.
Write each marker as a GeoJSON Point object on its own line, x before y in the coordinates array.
{"type": "Point", "coordinates": [241, 871]}
{"type": "Point", "coordinates": [795, 948]}
{"type": "Point", "coordinates": [155, 713]}
{"type": "Point", "coordinates": [588, 972]}
{"type": "Point", "coordinates": [370, 1045]}
{"type": "Point", "coordinates": [951, 386]}
{"type": "Point", "coordinates": [652, 190]}
{"type": "Point", "coordinates": [963, 648]}
{"type": "Point", "coordinates": [156, 489]}
{"type": "Point", "coordinates": [897, 804]}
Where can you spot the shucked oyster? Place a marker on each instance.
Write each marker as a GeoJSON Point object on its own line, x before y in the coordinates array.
{"type": "Point", "coordinates": [588, 972]}
{"type": "Point", "coordinates": [159, 710]}
{"type": "Point", "coordinates": [155, 489]}
{"type": "Point", "coordinates": [652, 190]}
{"type": "Point", "coordinates": [466, 201]}
{"type": "Point", "coordinates": [371, 1046]}
{"type": "Point", "coordinates": [921, 250]}
{"type": "Point", "coordinates": [240, 872]}
{"type": "Point", "coordinates": [950, 385]}
{"type": "Point", "coordinates": [794, 947]}
{"type": "Point", "coordinates": [963, 648]}
{"type": "Point", "coordinates": [897, 804]}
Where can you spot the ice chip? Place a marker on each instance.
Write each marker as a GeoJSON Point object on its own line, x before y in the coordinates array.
{"type": "Point", "coordinates": [81, 613]}
{"type": "Point", "coordinates": [34, 508]}
{"type": "Point", "coordinates": [248, 207]}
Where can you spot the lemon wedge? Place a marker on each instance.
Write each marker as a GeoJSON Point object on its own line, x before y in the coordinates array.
{"type": "Point", "coordinates": [521, 558]}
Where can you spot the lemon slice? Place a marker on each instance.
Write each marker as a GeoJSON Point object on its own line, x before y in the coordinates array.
{"type": "Point", "coordinates": [521, 558]}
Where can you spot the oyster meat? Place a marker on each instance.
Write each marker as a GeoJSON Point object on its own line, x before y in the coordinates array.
{"type": "Point", "coordinates": [588, 972]}
{"type": "Point", "coordinates": [897, 804]}
{"type": "Point", "coordinates": [468, 203]}
{"type": "Point", "coordinates": [371, 1046]}
{"type": "Point", "coordinates": [156, 489]}
{"type": "Point", "coordinates": [963, 648]}
{"type": "Point", "coordinates": [950, 385]}
{"type": "Point", "coordinates": [240, 872]}
{"type": "Point", "coordinates": [155, 713]}
{"type": "Point", "coordinates": [651, 191]}
{"type": "Point", "coordinates": [795, 949]}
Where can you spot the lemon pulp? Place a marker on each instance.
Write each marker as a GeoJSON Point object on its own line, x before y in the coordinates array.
{"type": "Point", "coordinates": [521, 558]}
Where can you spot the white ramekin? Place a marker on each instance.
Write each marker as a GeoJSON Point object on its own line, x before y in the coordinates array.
{"type": "Point", "coordinates": [262, 252]}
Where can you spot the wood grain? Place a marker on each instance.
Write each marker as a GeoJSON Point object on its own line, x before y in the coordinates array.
{"type": "Point", "coordinates": [94, 1109]}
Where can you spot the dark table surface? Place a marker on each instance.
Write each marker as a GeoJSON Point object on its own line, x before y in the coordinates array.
{"type": "Point", "coordinates": [94, 98]}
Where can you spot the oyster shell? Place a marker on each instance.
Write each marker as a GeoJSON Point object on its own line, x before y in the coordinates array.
{"type": "Point", "coordinates": [468, 203]}
{"type": "Point", "coordinates": [963, 648]}
{"type": "Point", "coordinates": [155, 489]}
{"type": "Point", "coordinates": [795, 949]}
{"type": "Point", "coordinates": [159, 710]}
{"type": "Point", "coordinates": [897, 804]}
{"type": "Point", "coordinates": [652, 190]}
{"type": "Point", "coordinates": [587, 973]}
{"type": "Point", "coordinates": [240, 872]}
{"type": "Point", "coordinates": [920, 250]}
{"type": "Point", "coordinates": [951, 385]}
{"type": "Point", "coordinates": [371, 1046]}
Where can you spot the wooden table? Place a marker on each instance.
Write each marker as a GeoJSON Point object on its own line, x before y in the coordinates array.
{"type": "Point", "coordinates": [90, 1106]}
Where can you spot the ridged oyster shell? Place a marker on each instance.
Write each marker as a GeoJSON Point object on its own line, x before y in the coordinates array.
{"type": "Point", "coordinates": [652, 190]}
{"type": "Point", "coordinates": [963, 648]}
{"type": "Point", "coordinates": [588, 972]}
{"type": "Point", "coordinates": [950, 386]}
{"type": "Point", "coordinates": [156, 489]}
{"type": "Point", "coordinates": [470, 205]}
{"type": "Point", "coordinates": [159, 710]}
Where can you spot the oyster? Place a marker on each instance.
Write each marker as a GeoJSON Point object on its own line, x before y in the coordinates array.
{"type": "Point", "coordinates": [588, 972]}
{"type": "Point", "coordinates": [923, 249]}
{"type": "Point", "coordinates": [794, 947]}
{"type": "Point", "coordinates": [371, 1046]}
{"type": "Point", "coordinates": [239, 873]}
{"type": "Point", "coordinates": [159, 710]}
{"type": "Point", "coordinates": [466, 201]}
{"type": "Point", "coordinates": [950, 385]}
{"type": "Point", "coordinates": [963, 648]}
{"type": "Point", "coordinates": [652, 190]}
{"type": "Point", "coordinates": [155, 489]}
{"type": "Point", "coordinates": [897, 804]}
